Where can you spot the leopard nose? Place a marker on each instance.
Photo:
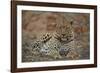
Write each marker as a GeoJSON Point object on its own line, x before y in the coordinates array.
{"type": "Point", "coordinates": [63, 34]}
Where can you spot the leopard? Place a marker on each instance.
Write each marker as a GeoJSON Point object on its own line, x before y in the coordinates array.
{"type": "Point", "coordinates": [60, 44]}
